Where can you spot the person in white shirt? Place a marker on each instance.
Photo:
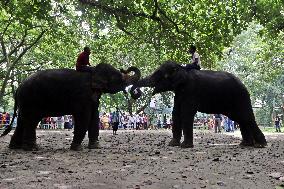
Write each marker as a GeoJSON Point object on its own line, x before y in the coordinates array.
{"type": "Point", "coordinates": [195, 62]}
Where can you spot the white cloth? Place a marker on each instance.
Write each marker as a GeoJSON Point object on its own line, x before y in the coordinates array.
{"type": "Point", "coordinates": [194, 56]}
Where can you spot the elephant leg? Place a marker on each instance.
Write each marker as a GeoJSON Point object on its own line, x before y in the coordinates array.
{"type": "Point", "coordinates": [176, 127]}
{"type": "Point", "coordinates": [187, 116]}
{"type": "Point", "coordinates": [29, 133]}
{"type": "Point", "coordinates": [16, 141]}
{"type": "Point", "coordinates": [256, 138]}
{"type": "Point", "coordinates": [238, 117]}
{"type": "Point", "coordinates": [81, 125]}
{"type": "Point", "coordinates": [251, 134]}
{"type": "Point", "coordinates": [93, 129]}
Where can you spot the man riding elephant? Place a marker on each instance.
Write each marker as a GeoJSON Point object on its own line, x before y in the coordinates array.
{"type": "Point", "coordinates": [58, 92]}
{"type": "Point", "coordinates": [206, 91]}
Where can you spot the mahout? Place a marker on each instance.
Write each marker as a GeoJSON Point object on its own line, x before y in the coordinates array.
{"type": "Point", "coordinates": [58, 92]}
{"type": "Point", "coordinates": [205, 91]}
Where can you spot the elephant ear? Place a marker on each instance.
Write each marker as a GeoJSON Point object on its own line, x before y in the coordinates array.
{"type": "Point", "coordinates": [98, 77]}
{"type": "Point", "coordinates": [178, 76]}
{"type": "Point", "coordinates": [99, 83]}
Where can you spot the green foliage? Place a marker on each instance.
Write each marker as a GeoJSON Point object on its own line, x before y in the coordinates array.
{"type": "Point", "coordinates": [258, 62]}
{"type": "Point", "coordinates": [144, 34]}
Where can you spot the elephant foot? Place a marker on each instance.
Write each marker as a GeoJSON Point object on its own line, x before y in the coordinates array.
{"type": "Point", "coordinates": [246, 143]}
{"type": "Point", "coordinates": [185, 144]}
{"type": "Point", "coordinates": [15, 146]}
{"type": "Point", "coordinates": [30, 147]}
{"type": "Point", "coordinates": [94, 145]}
{"type": "Point", "coordinates": [174, 142]}
{"type": "Point", "coordinates": [15, 143]}
{"type": "Point", "coordinates": [257, 145]}
{"type": "Point", "coordinates": [76, 147]}
{"type": "Point", "coordinates": [260, 141]}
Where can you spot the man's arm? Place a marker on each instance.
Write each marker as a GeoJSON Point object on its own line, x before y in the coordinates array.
{"type": "Point", "coordinates": [195, 58]}
{"type": "Point", "coordinates": [195, 61]}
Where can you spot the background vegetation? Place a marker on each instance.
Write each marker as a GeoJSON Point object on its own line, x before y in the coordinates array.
{"type": "Point", "coordinates": [243, 37]}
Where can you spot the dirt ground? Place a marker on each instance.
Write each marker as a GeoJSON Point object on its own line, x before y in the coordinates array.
{"type": "Point", "coordinates": [142, 159]}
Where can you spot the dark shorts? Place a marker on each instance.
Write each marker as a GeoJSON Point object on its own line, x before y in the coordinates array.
{"type": "Point", "coordinates": [115, 126]}
{"type": "Point", "coordinates": [85, 69]}
{"type": "Point", "coordinates": [192, 66]}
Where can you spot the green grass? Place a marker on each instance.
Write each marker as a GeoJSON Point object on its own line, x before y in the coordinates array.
{"type": "Point", "coordinates": [270, 129]}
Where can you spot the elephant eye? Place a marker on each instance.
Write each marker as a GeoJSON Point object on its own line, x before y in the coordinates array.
{"type": "Point", "coordinates": [166, 76]}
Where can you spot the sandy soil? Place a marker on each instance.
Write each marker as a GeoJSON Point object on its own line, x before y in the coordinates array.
{"type": "Point", "coordinates": [142, 159]}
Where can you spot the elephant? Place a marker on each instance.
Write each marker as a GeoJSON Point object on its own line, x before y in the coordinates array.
{"type": "Point", "coordinates": [211, 92]}
{"type": "Point", "coordinates": [58, 92]}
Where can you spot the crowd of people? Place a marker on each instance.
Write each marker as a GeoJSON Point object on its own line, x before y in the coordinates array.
{"type": "Point", "coordinates": [134, 121]}
{"type": "Point", "coordinates": [4, 119]}
{"type": "Point", "coordinates": [122, 120]}
{"type": "Point", "coordinates": [62, 122]}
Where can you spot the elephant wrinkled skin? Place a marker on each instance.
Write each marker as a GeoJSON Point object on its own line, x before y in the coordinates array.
{"type": "Point", "coordinates": [58, 92]}
{"type": "Point", "coordinates": [205, 91]}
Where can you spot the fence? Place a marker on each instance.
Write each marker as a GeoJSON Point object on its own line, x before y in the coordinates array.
{"type": "Point", "coordinates": [199, 126]}
{"type": "Point", "coordinates": [68, 125]}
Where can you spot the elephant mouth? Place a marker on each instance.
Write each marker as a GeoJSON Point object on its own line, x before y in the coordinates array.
{"type": "Point", "coordinates": [156, 91]}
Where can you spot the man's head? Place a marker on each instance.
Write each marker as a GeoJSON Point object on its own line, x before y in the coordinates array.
{"type": "Point", "coordinates": [87, 50]}
{"type": "Point", "coordinates": [192, 49]}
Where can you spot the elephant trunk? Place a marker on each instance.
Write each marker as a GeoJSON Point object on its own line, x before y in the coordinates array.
{"type": "Point", "coordinates": [135, 91]}
{"type": "Point", "coordinates": [132, 79]}
{"type": "Point", "coordinates": [145, 82]}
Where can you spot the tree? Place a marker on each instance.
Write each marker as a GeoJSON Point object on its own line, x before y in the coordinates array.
{"type": "Point", "coordinates": [123, 33]}
{"type": "Point", "coordinates": [20, 32]}
{"type": "Point", "coordinates": [258, 61]}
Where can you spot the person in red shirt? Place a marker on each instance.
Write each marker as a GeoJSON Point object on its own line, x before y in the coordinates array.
{"type": "Point", "coordinates": [83, 64]}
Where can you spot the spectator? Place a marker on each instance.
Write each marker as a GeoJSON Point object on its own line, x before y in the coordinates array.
{"type": "Point", "coordinates": [218, 120]}
{"type": "Point", "coordinates": [225, 124]}
{"type": "Point", "coordinates": [210, 123]}
{"type": "Point", "coordinates": [115, 119]}
{"type": "Point", "coordinates": [168, 123]}
{"type": "Point", "coordinates": [141, 121]}
{"type": "Point", "coordinates": [194, 60]}
{"type": "Point", "coordinates": [7, 121]}
{"type": "Point", "coordinates": [277, 123]}
{"type": "Point", "coordinates": [60, 122]}
{"type": "Point", "coordinates": [158, 122]}
{"type": "Point", "coordinates": [165, 121]}
{"type": "Point", "coordinates": [3, 120]}
{"type": "Point", "coordinates": [105, 121]}
{"type": "Point", "coordinates": [67, 122]}
{"type": "Point", "coordinates": [53, 124]}
{"type": "Point", "coordinates": [1, 115]}
{"type": "Point", "coordinates": [83, 64]}
{"type": "Point", "coordinates": [231, 125]}
{"type": "Point", "coordinates": [124, 121]}
{"type": "Point", "coordinates": [137, 121]}
{"type": "Point", "coordinates": [131, 121]}
{"type": "Point", "coordinates": [145, 121]}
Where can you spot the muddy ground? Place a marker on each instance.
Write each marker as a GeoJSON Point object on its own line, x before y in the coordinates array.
{"type": "Point", "coordinates": [142, 159]}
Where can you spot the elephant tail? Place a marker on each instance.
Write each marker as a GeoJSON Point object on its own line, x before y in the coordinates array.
{"type": "Point", "coordinates": [10, 126]}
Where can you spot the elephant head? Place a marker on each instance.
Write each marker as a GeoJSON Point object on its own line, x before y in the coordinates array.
{"type": "Point", "coordinates": [168, 77]}
{"type": "Point", "coordinates": [110, 80]}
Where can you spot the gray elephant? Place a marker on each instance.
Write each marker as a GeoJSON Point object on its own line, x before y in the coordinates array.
{"type": "Point", "coordinates": [204, 91]}
{"type": "Point", "coordinates": [58, 92]}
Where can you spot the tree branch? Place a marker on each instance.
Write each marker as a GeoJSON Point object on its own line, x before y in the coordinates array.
{"type": "Point", "coordinates": [21, 43]}
{"type": "Point", "coordinates": [125, 12]}
{"type": "Point", "coordinates": [28, 47]}
{"type": "Point", "coordinates": [7, 26]}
